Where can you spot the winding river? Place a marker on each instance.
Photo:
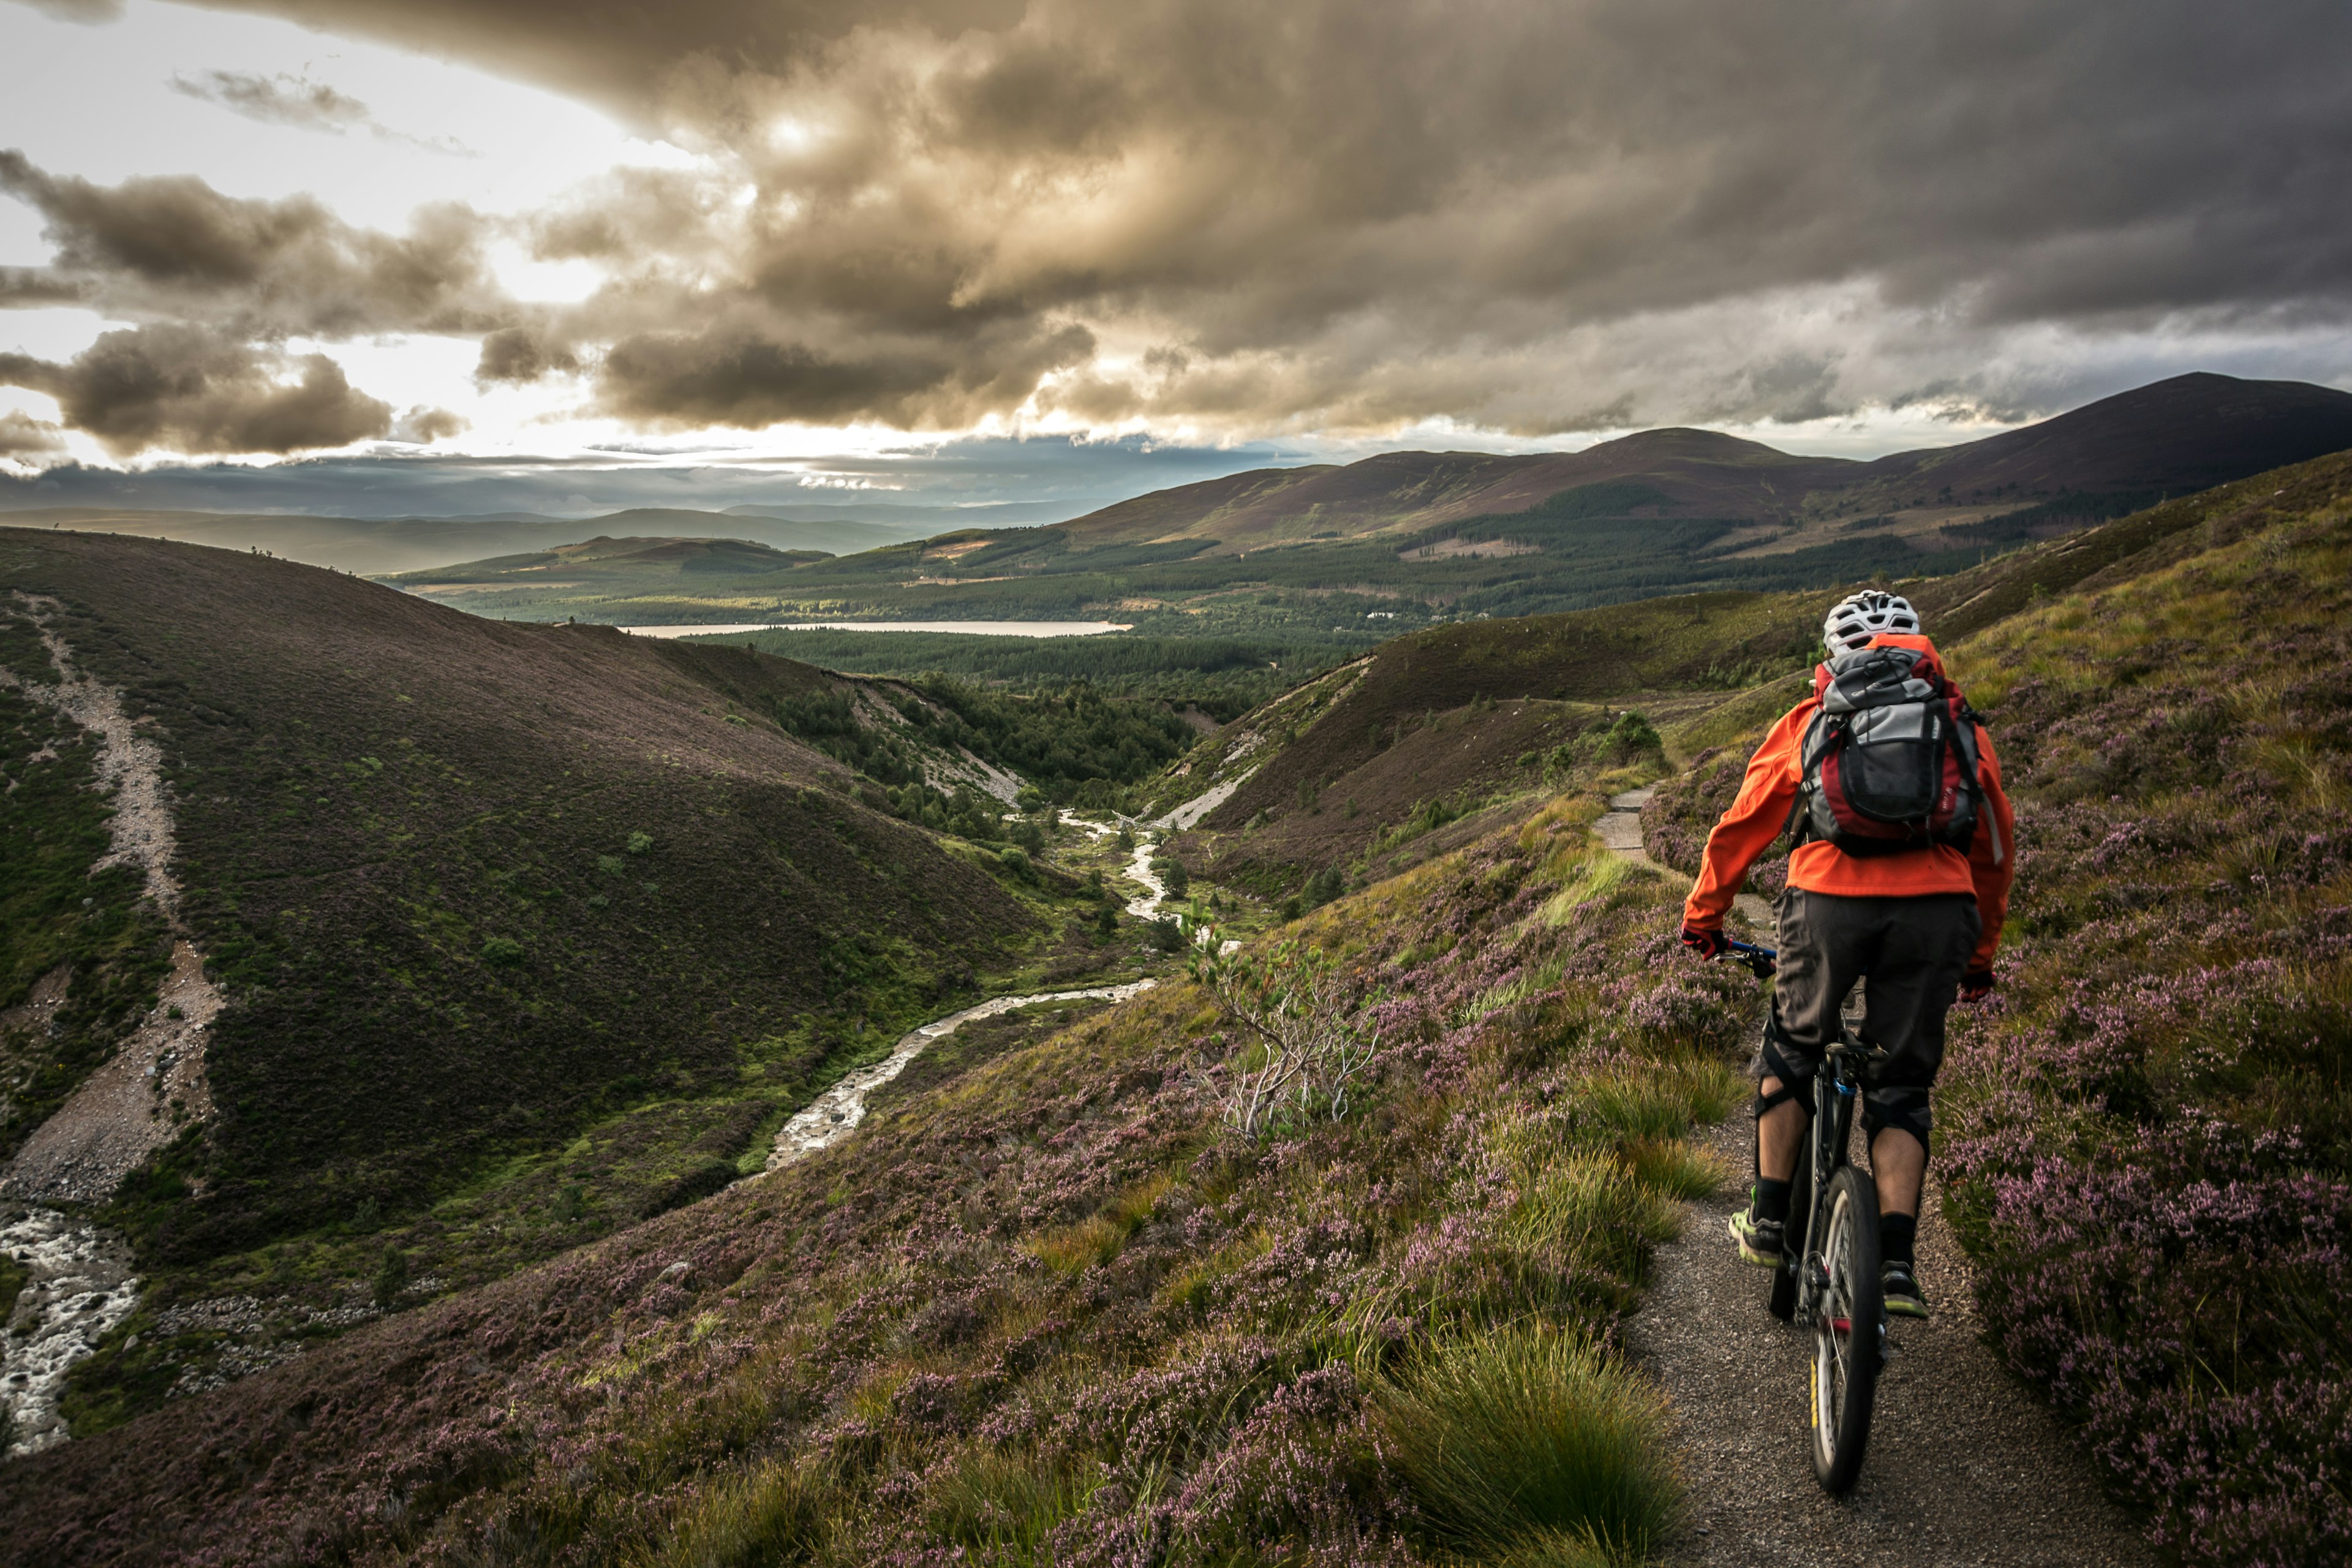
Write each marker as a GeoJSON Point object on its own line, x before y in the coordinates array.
{"type": "Point", "coordinates": [837, 1111]}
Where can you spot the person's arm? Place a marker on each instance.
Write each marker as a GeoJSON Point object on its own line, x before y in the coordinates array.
{"type": "Point", "coordinates": [1755, 818]}
{"type": "Point", "coordinates": [1992, 863]}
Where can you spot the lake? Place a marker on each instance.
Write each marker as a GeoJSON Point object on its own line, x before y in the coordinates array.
{"type": "Point", "coordinates": [974, 628]}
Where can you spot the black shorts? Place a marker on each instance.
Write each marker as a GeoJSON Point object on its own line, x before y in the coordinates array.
{"type": "Point", "coordinates": [1912, 950]}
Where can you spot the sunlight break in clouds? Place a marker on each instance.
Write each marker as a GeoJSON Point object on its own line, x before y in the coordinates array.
{"type": "Point", "coordinates": [1205, 220]}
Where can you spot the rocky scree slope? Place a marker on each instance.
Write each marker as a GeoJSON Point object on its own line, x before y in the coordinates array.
{"type": "Point", "coordinates": [2147, 1139]}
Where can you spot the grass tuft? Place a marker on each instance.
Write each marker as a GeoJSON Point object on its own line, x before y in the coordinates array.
{"type": "Point", "coordinates": [1674, 1169]}
{"type": "Point", "coordinates": [773, 1513]}
{"type": "Point", "coordinates": [1528, 1442]}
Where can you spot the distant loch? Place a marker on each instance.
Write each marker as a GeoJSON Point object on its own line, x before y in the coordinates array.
{"type": "Point", "coordinates": [975, 628]}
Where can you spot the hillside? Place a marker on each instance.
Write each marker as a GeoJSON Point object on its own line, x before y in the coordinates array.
{"type": "Point", "coordinates": [1426, 738]}
{"type": "Point", "coordinates": [1057, 1300]}
{"type": "Point", "coordinates": [2186, 434]}
{"type": "Point", "coordinates": [465, 915]}
{"type": "Point", "coordinates": [1050, 1300]}
{"type": "Point", "coordinates": [627, 565]}
{"type": "Point", "coordinates": [380, 546]}
{"type": "Point", "coordinates": [1342, 557]}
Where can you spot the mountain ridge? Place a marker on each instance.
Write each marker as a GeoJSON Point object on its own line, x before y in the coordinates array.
{"type": "Point", "coordinates": [2187, 433]}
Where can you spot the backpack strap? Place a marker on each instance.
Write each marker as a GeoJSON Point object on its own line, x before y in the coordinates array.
{"type": "Point", "coordinates": [1798, 829]}
{"type": "Point", "coordinates": [1969, 724]}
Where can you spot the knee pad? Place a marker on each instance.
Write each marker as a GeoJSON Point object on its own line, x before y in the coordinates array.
{"type": "Point", "coordinates": [1783, 1060]}
{"type": "Point", "coordinates": [1902, 1107]}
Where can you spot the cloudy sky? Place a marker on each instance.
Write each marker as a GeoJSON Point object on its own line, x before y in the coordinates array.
{"type": "Point", "coordinates": [992, 249]}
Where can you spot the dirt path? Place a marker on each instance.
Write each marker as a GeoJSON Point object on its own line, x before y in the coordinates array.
{"type": "Point", "coordinates": [1965, 1466]}
{"type": "Point", "coordinates": [1621, 829]}
{"type": "Point", "coordinates": [1966, 1469]}
{"type": "Point", "coordinates": [837, 1112]}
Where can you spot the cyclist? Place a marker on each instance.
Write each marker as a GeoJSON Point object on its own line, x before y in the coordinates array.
{"type": "Point", "coordinates": [1920, 920]}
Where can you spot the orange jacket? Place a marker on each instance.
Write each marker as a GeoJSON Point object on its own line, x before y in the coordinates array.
{"type": "Point", "coordinates": [1756, 818]}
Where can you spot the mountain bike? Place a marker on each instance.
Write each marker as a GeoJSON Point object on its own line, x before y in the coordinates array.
{"type": "Point", "coordinates": [1827, 1281]}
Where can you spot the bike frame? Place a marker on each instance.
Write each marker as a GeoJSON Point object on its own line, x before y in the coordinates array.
{"type": "Point", "coordinates": [1849, 1353]}
{"type": "Point", "coordinates": [1837, 1088]}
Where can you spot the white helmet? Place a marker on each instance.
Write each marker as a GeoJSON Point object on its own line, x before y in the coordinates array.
{"type": "Point", "coordinates": [1862, 616]}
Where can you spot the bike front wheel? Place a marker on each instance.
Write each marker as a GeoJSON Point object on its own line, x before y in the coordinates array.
{"type": "Point", "coordinates": [1848, 1325]}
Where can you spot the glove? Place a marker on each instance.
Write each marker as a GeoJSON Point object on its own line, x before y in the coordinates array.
{"type": "Point", "coordinates": [1975, 986]}
{"type": "Point", "coordinates": [1706, 942]}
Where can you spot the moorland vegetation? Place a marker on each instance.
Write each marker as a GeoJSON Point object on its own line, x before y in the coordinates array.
{"type": "Point", "coordinates": [528, 933]}
{"type": "Point", "coordinates": [2146, 1141]}
{"type": "Point", "coordinates": [1073, 1295]}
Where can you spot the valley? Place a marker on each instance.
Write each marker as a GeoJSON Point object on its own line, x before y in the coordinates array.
{"type": "Point", "coordinates": [674, 1103]}
{"type": "Point", "coordinates": [1332, 560]}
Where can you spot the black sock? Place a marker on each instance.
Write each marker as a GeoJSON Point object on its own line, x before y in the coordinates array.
{"type": "Point", "coordinates": [1769, 1200]}
{"type": "Point", "coordinates": [1897, 1234]}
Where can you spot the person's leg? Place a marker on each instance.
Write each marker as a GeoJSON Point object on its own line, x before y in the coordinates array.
{"type": "Point", "coordinates": [1923, 950]}
{"type": "Point", "coordinates": [1923, 954]}
{"type": "Point", "coordinates": [1816, 969]}
{"type": "Point", "coordinates": [1824, 948]}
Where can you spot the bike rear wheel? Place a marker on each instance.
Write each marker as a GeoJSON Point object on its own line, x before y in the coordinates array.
{"type": "Point", "coordinates": [1848, 1327]}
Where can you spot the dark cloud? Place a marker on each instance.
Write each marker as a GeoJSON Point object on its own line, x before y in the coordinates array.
{"type": "Point", "coordinates": [24, 287]}
{"type": "Point", "coordinates": [1527, 215]}
{"type": "Point", "coordinates": [22, 435]}
{"type": "Point", "coordinates": [423, 424]}
{"type": "Point", "coordinates": [279, 100]}
{"type": "Point", "coordinates": [92, 11]}
{"type": "Point", "coordinates": [729, 376]}
{"type": "Point", "coordinates": [621, 53]}
{"type": "Point", "coordinates": [1516, 212]}
{"type": "Point", "coordinates": [284, 100]}
{"type": "Point", "coordinates": [172, 248]}
{"type": "Point", "coordinates": [188, 390]}
{"type": "Point", "coordinates": [517, 356]}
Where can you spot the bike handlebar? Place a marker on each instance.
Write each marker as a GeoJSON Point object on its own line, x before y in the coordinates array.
{"type": "Point", "coordinates": [1760, 961]}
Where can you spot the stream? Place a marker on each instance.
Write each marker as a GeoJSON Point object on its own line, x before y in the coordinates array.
{"type": "Point", "coordinates": [80, 1288]}
{"type": "Point", "coordinates": [837, 1111]}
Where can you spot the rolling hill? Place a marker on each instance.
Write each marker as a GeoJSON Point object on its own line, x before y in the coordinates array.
{"type": "Point", "coordinates": [467, 912]}
{"type": "Point", "coordinates": [1344, 556]}
{"type": "Point", "coordinates": [2186, 434]}
{"type": "Point", "coordinates": [1450, 721]}
{"type": "Point", "coordinates": [380, 546]}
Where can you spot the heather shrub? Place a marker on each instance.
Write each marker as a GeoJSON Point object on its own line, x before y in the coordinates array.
{"type": "Point", "coordinates": [1054, 1309]}
{"type": "Point", "coordinates": [2147, 1139]}
{"type": "Point", "coordinates": [1525, 1440]}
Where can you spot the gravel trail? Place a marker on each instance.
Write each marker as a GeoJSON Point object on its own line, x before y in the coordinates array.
{"type": "Point", "coordinates": [150, 1089]}
{"type": "Point", "coordinates": [1966, 1469]}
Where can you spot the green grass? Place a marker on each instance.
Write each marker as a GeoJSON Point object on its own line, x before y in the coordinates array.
{"type": "Point", "coordinates": [1001, 1505]}
{"type": "Point", "coordinates": [1527, 1444]}
{"type": "Point", "coordinates": [769, 1513]}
